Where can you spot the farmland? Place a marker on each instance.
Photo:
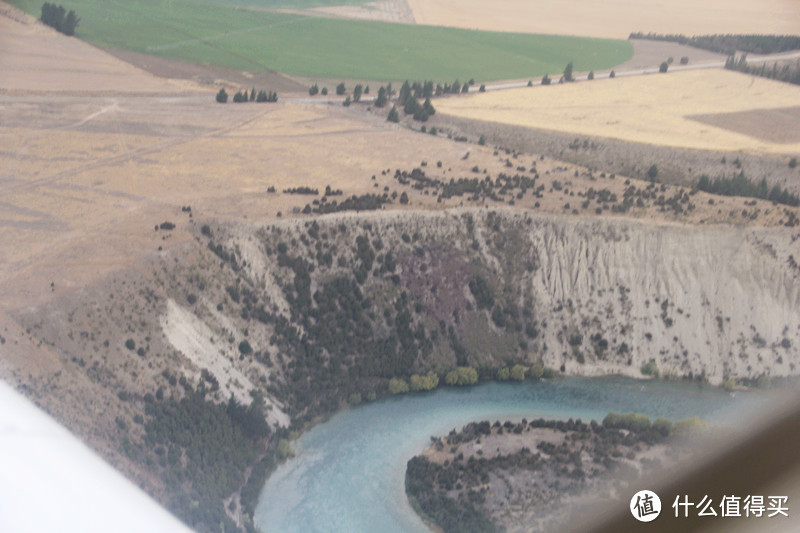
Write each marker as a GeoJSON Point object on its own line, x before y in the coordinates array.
{"type": "Point", "coordinates": [612, 19]}
{"type": "Point", "coordinates": [258, 40]}
{"type": "Point", "coordinates": [682, 109]}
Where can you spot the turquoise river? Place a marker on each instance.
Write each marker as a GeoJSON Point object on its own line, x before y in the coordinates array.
{"type": "Point", "coordinates": [349, 471]}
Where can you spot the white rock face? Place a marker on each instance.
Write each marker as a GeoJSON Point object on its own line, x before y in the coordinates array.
{"type": "Point", "coordinates": [717, 299]}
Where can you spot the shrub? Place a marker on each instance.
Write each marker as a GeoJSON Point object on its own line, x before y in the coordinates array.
{"type": "Point", "coordinates": [324, 91]}
{"type": "Point", "coordinates": [397, 386]}
{"type": "Point", "coordinates": [793, 162]}
{"type": "Point", "coordinates": [340, 89]}
{"type": "Point", "coordinates": [664, 67]}
{"type": "Point", "coordinates": [130, 344]}
{"type": "Point", "coordinates": [652, 172]}
{"type": "Point", "coordinates": [536, 371]}
{"type": "Point", "coordinates": [245, 348]}
{"type": "Point", "coordinates": [546, 80]}
{"type": "Point", "coordinates": [517, 373]}
{"type": "Point", "coordinates": [685, 60]}
{"type": "Point", "coordinates": [690, 426]}
{"type": "Point", "coordinates": [591, 75]}
{"type": "Point", "coordinates": [314, 89]}
{"type": "Point", "coordinates": [649, 369]}
{"type": "Point", "coordinates": [222, 96]}
{"type": "Point", "coordinates": [612, 74]}
{"type": "Point", "coordinates": [482, 140]}
{"type": "Point", "coordinates": [347, 102]}
{"type": "Point", "coordinates": [482, 88]}
{"type": "Point", "coordinates": [461, 376]}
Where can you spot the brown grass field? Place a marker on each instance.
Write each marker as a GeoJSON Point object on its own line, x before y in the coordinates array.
{"type": "Point", "coordinates": [34, 57]}
{"type": "Point", "coordinates": [653, 109]}
{"type": "Point", "coordinates": [614, 19]}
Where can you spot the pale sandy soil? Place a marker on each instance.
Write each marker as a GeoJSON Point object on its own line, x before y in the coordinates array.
{"type": "Point", "coordinates": [614, 18]}
{"type": "Point", "coordinates": [36, 58]}
{"type": "Point", "coordinates": [384, 10]}
{"type": "Point", "coordinates": [653, 109]}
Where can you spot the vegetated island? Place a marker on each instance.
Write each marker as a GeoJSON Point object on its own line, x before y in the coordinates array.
{"type": "Point", "coordinates": [524, 476]}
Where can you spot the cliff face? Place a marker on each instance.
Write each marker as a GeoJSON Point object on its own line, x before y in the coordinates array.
{"type": "Point", "coordinates": [719, 301]}
{"type": "Point", "coordinates": [592, 295]}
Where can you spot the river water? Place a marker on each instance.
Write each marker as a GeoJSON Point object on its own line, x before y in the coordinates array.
{"type": "Point", "coordinates": [349, 472]}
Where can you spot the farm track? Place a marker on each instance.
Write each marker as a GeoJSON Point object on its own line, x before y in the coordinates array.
{"type": "Point", "coordinates": [150, 149]}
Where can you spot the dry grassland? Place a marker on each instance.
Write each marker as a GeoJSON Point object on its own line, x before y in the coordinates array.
{"type": "Point", "coordinates": [651, 109]}
{"type": "Point", "coordinates": [613, 19]}
{"type": "Point", "coordinates": [36, 58]}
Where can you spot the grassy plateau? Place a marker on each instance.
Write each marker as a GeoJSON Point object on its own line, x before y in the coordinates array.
{"type": "Point", "coordinates": [252, 39]}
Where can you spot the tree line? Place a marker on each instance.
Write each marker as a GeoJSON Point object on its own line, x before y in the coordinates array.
{"type": "Point", "coordinates": [56, 16]}
{"type": "Point", "coordinates": [729, 43]}
{"type": "Point", "coordinates": [244, 96]}
{"type": "Point", "coordinates": [739, 185]}
{"type": "Point", "coordinates": [787, 73]}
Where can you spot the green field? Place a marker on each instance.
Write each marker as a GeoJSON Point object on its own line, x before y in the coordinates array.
{"type": "Point", "coordinates": [211, 33]}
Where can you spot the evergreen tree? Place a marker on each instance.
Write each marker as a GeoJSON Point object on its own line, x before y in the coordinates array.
{"type": "Point", "coordinates": [664, 66]}
{"type": "Point", "coordinates": [381, 100]}
{"type": "Point", "coordinates": [340, 89]}
{"type": "Point", "coordinates": [313, 90]}
{"type": "Point", "coordinates": [568, 72]}
{"type": "Point", "coordinates": [404, 94]}
{"type": "Point", "coordinates": [253, 94]}
{"type": "Point", "coordinates": [411, 107]}
{"type": "Point", "coordinates": [591, 75]}
{"type": "Point", "coordinates": [393, 115]}
{"type": "Point", "coordinates": [70, 23]}
{"type": "Point", "coordinates": [546, 80]}
{"type": "Point", "coordinates": [222, 96]}
{"type": "Point", "coordinates": [357, 90]}
{"type": "Point", "coordinates": [428, 107]}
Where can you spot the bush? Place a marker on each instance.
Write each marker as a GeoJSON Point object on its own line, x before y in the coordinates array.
{"type": "Point", "coordinates": [517, 373]}
{"type": "Point", "coordinates": [536, 371]}
{"type": "Point", "coordinates": [482, 88]}
{"type": "Point", "coordinates": [397, 386]}
{"type": "Point", "coordinates": [461, 376]}
{"type": "Point", "coordinates": [546, 80]}
{"type": "Point", "coordinates": [652, 172]}
{"type": "Point", "coordinates": [482, 141]}
{"type": "Point", "coordinates": [130, 344]}
{"type": "Point", "coordinates": [612, 74]}
{"type": "Point", "coordinates": [245, 348]}
{"type": "Point", "coordinates": [591, 75]}
{"type": "Point", "coordinates": [346, 102]}
{"type": "Point", "coordinates": [685, 60]}
{"type": "Point", "coordinates": [664, 66]}
{"type": "Point", "coordinates": [793, 162]}
{"type": "Point", "coordinates": [340, 89]}
{"type": "Point", "coordinates": [222, 96]}
{"type": "Point", "coordinates": [649, 369]}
